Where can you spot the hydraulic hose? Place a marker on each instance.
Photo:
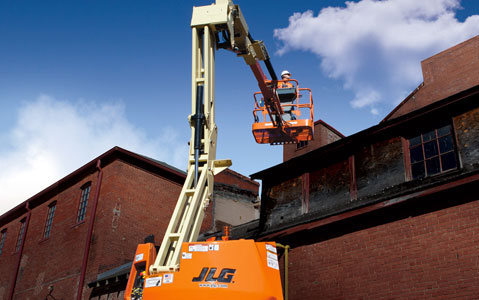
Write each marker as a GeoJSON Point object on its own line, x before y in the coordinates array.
{"type": "Point", "coordinates": [267, 62]}
{"type": "Point", "coordinates": [198, 119]}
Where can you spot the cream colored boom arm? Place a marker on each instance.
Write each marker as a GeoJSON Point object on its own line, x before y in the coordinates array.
{"type": "Point", "coordinates": [208, 23]}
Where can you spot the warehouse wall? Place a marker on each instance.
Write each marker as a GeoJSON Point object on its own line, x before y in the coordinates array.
{"type": "Point", "coordinates": [425, 250]}
{"type": "Point", "coordinates": [127, 212]}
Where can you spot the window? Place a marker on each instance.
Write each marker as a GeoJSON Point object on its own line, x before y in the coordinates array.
{"type": "Point", "coordinates": [432, 152]}
{"type": "Point", "coordinates": [20, 235]}
{"type": "Point", "coordinates": [48, 223]}
{"type": "Point", "coordinates": [301, 144]}
{"type": "Point", "coordinates": [83, 202]}
{"type": "Point", "coordinates": [3, 236]}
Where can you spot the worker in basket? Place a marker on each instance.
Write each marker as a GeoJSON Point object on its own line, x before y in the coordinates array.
{"type": "Point", "coordinates": [286, 94]}
{"type": "Point", "coordinates": [285, 75]}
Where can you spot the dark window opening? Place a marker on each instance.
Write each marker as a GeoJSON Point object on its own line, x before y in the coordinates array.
{"type": "Point", "coordinates": [83, 202]}
{"type": "Point", "coordinates": [2, 239]}
{"type": "Point", "coordinates": [20, 235]}
{"type": "Point", "coordinates": [432, 152]}
{"type": "Point", "coordinates": [49, 220]}
{"type": "Point", "coordinates": [301, 144]}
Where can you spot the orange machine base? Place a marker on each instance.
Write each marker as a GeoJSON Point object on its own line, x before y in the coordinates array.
{"type": "Point", "coordinates": [235, 269]}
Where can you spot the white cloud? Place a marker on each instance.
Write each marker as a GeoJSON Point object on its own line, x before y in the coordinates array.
{"type": "Point", "coordinates": [375, 47]}
{"type": "Point", "coordinates": [53, 138]}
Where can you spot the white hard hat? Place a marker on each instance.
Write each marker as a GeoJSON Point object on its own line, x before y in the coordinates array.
{"type": "Point", "coordinates": [285, 72]}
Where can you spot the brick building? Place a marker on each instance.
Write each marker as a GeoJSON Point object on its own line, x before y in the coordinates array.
{"type": "Point", "coordinates": [390, 212]}
{"type": "Point", "coordinates": [387, 213]}
{"type": "Point", "coordinates": [323, 134]}
{"type": "Point", "coordinates": [83, 230]}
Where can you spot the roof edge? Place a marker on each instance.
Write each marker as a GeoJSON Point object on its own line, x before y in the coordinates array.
{"type": "Point", "coordinates": [105, 158]}
{"type": "Point", "coordinates": [330, 128]}
{"type": "Point", "coordinates": [386, 118]}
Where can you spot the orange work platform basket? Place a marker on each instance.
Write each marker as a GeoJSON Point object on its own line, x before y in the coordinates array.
{"type": "Point", "coordinates": [297, 120]}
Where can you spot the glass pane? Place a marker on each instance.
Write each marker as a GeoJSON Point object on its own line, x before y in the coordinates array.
{"type": "Point", "coordinates": [418, 170]}
{"type": "Point", "coordinates": [448, 161]}
{"type": "Point", "coordinates": [432, 166]}
{"type": "Point", "coordinates": [429, 135]}
{"type": "Point", "coordinates": [444, 130]}
{"type": "Point", "coordinates": [415, 141]}
{"type": "Point", "coordinates": [416, 154]}
{"type": "Point", "coordinates": [445, 144]}
{"type": "Point", "coordinates": [430, 149]}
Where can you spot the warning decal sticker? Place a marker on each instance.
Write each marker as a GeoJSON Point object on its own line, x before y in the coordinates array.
{"type": "Point", "coordinates": [168, 278]}
{"type": "Point", "coordinates": [271, 248]}
{"type": "Point", "coordinates": [213, 247]}
{"type": "Point", "coordinates": [139, 257]}
{"type": "Point", "coordinates": [271, 255]}
{"type": "Point", "coordinates": [273, 263]}
{"type": "Point", "coordinates": [152, 282]}
{"type": "Point", "coordinates": [198, 248]}
{"type": "Point", "coordinates": [272, 258]}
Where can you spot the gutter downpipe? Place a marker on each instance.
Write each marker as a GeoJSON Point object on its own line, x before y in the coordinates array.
{"type": "Point", "coordinates": [20, 254]}
{"type": "Point", "coordinates": [86, 252]}
{"type": "Point", "coordinates": [286, 250]}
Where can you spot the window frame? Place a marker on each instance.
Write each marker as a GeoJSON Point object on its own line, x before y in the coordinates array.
{"type": "Point", "coordinates": [420, 133]}
{"type": "Point", "coordinates": [301, 145]}
{"type": "Point", "coordinates": [3, 237]}
{"type": "Point", "coordinates": [21, 235]}
{"type": "Point", "coordinates": [47, 229]}
{"type": "Point", "coordinates": [83, 203]}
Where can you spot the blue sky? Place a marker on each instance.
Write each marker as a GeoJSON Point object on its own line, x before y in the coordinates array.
{"type": "Point", "coordinates": [79, 77]}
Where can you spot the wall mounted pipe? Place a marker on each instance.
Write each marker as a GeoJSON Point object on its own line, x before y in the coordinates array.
{"type": "Point", "coordinates": [286, 250]}
{"type": "Point", "coordinates": [86, 251]}
{"type": "Point", "coordinates": [20, 254]}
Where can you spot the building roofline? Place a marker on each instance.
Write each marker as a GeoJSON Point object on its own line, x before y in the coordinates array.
{"type": "Point", "coordinates": [240, 176]}
{"type": "Point", "coordinates": [154, 166]}
{"type": "Point", "coordinates": [329, 127]}
{"type": "Point", "coordinates": [403, 102]}
{"type": "Point", "coordinates": [296, 166]}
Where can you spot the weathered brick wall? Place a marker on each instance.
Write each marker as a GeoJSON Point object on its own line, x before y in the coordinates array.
{"type": "Point", "coordinates": [132, 204]}
{"type": "Point", "coordinates": [322, 136]}
{"type": "Point", "coordinates": [467, 132]}
{"type": "Point", "coordinates": [8, 258]}
{"type": "Point", "coordinates": [429, 256]}
{"type": "Point", "coordinates": [379, 166]}
{"type": "Point", "coordinates": [235, 179]}
{"type": "Point", "coordinates": [57, 259]}
{"type": "Point", "coordinates": [329, 187]}
{"type": "Point", "coordinates": [283, 202]}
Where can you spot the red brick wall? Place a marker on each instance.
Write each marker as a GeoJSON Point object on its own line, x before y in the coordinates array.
{"type": "Point", "coordinates": [237, 180]}
{"type": "Point", "coordinates": [445, 74]}
{"type": "Point", "coordinates": [429, 256]}
{"type": "Point", "coordinates": [55, 260]}
{"type": "Point", "coordinates": [322, 136]}
{"type": "Point", "coordinates": [132, 204]}
{"type": "Point", "coordinates": [8, 257]}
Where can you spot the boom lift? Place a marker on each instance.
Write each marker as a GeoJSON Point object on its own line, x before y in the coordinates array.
{"type": "Point", "coordinates": [219, 269]}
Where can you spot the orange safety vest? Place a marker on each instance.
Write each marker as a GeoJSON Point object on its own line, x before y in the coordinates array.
{"type": "Point", "coordinates": [284, 84]}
